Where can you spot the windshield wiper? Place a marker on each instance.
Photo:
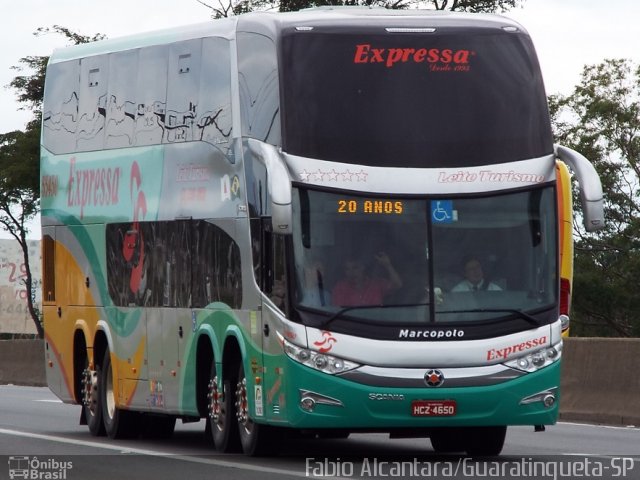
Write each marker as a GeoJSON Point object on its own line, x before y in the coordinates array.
{"type": "Point", "coordinates": [339, 313]}
{"type": "Point", "coordinates": [522, 314]}
{"type": "Point", "coordinates": [342, 311]}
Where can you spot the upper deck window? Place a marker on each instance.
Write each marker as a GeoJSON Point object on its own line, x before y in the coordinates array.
{"type": "Point", "coordinates": [446, 99]}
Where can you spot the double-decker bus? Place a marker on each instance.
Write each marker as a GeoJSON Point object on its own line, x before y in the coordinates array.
{"type": "Point", "coordinates": [267, 221]}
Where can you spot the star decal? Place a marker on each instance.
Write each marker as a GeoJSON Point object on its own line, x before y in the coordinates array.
{"type": "Point", "coordinates": [333, 176]}
{"type": "Point", "coordinates": [304, 176]}
{"type": "Point", "coordinates": [362, 176]}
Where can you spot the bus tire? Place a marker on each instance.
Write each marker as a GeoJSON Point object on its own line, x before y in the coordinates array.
{"type": "Point", "coordinates": [91, 400]}
{"type": "Point", "coordinates": [256, 439]}
{"type": "Point", "coordinates": [448, 440]}
{"type": "Point", "coordinates": [221, 413]}
{"type": "Point", "coordinates": [118, 423]}
{"type": "Point", "coordinates": [485, 441]}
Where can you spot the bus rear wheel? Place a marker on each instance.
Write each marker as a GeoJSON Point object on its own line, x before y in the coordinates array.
{"type": "Point", "coordinates": [256, 439]}
{"type": "Point", "coordinates": [118, 423]}
{"type": "Point", "coordinates": [222, 422]}
{"type": "Point", "coordinates": [91, 400]}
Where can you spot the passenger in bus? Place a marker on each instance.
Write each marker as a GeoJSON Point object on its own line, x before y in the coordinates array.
{"type": "Point", "coordinates": [474, 279]}
{"type": "Point", "coordinates": [357, 288]}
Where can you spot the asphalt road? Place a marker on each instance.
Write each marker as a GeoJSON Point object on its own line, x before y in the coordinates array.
{"type": "Point", "coordinates": [40, 438]}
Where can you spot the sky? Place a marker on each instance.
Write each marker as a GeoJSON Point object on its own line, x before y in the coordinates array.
{"type": "Point", "coordinates": [568, 34]}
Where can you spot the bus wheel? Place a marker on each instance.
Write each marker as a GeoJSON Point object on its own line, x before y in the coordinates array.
{"type": "Point", "coordinates": [91, 400]}
{"type": "Point", "coordinates": [118, 423]}
{"type": "Point", "coordinates": [485, 441]}
{"type": "Point", "coordinates": [256, 439]}
{"type": "Point", "coordinates": [448, 440]}
{"type": "Point", "coordinates": [220, 401]}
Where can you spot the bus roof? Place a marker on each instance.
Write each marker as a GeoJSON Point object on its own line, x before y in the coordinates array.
{"type": "Point", "coordinates": [271, 23]}
{"type": "Point", "coordinates": [383, 17]}
{"type": "Point", "coordinates": [220, 28]}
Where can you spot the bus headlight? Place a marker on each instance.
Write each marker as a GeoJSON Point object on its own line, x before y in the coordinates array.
{"type": "Point", "coordinates": [537, 360]}
{"type": "Point", "coordinates": [318, 361]}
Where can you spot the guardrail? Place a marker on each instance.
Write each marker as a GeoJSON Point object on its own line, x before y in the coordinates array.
{"type": "Point", "coordinates": [600, 376]}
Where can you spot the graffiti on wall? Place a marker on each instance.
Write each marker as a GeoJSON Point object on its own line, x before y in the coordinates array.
{"type": "Point", "coordinates": [14, 314]}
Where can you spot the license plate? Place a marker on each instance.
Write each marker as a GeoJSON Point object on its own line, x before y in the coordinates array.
{"type": "Point", "coordinates": [433, 408]}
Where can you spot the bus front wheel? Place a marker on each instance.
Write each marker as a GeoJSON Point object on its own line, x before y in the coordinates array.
{"type": "Point", "coordinates": [485, 441]}
{"type": "Point", "coordinates": [448, 440]}
{"type": "Point", "coordinates": [475, 441]}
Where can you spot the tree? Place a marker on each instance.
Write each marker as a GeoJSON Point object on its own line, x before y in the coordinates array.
{"type": "Point", "coordinates": [20, 194]}
{"type": "Point", "coordinates": [20, 157]}
{"type": "Point", "coordinates": [226, 8]}
{"type": "Point", "coordinates": [601, 119]}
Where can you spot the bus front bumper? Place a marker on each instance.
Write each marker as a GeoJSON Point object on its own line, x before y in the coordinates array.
{"type": "Point", "coordinates": [329, 401]}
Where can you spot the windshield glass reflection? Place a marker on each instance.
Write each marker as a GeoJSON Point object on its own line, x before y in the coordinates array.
{"type": "Point", "coordinates": [415, 261]}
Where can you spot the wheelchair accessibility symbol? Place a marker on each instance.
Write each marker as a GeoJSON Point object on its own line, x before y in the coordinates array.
{"type": "Point", "coordinates": [442, 211]}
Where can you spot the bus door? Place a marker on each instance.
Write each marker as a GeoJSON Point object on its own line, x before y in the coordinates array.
{"type": "Point", "coordinates": [275, 304]}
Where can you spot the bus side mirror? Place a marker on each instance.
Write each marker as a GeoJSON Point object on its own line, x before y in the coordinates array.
{"type": "Point", "coordinates": [590, 187]}
{"type": "Point", "coordinates": [278, 184]}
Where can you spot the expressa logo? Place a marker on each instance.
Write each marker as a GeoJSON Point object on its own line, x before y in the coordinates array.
{"type": "Point", "coordinates": [504, 353]}
{"type": "Point", "coordinates": [437, 59]}
{"type": "Point", "coordinates": [92, 186]}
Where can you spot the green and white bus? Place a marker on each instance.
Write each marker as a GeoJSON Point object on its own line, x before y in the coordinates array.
{"type": "Point", "coordinates": [265, 221]}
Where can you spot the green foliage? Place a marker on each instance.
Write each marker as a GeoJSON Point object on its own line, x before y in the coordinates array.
{"type": "Point", "coordinates": [226, 8]}
{"type": "Point", "coordinates": [474, 6]}
{"type": "Point", "coordinates": [30, 88]}
{"type": "Point", "coordinates": [601, 119]}
{"type": "Point", "coordinates": [20, 193]}
{"type": "Point", "coordinates": [20, 155]}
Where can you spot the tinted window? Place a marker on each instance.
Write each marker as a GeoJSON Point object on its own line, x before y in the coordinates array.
{"type": "Point", "coordinates": [151, 95]}
{"type": "Point", "coordinates": [172, 264]}
{"type": "Point", "coordinates": [60, 109]}
{"type": "Point", "coordinates": [258, 82]}
{"type": "Point", "coordinates": [349, 249]}
{"type": "Point", "coordinates": [120, 104]}
{"type": "Point", "coordinates": [94, 74]}
{"type": "Point", "coordinates": [149, 263]}
{"type": "Point", "coordinates": [217, 275]}
{"type": "Point", "coordinates": [443, 99]}
{"type": "Point", "coordinates": [214, 103]}
{"type": "Point", "coordinates": [160, 94]}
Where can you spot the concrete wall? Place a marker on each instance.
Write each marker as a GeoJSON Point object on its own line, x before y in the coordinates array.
{"type": "Point", "coordinates": [14, 314]}
{"type": "Point", "coordinates": [601, 381]}
{"type": "Point", "coordinates": [22, 362]}
{"type": "Point", "coordinates": [600, 377]}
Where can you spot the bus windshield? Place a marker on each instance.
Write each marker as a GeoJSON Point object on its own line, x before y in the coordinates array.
{"type": "Point", "coordinates": [413, 99]}
{"type": "Point", "coordinates": [386, 260]}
